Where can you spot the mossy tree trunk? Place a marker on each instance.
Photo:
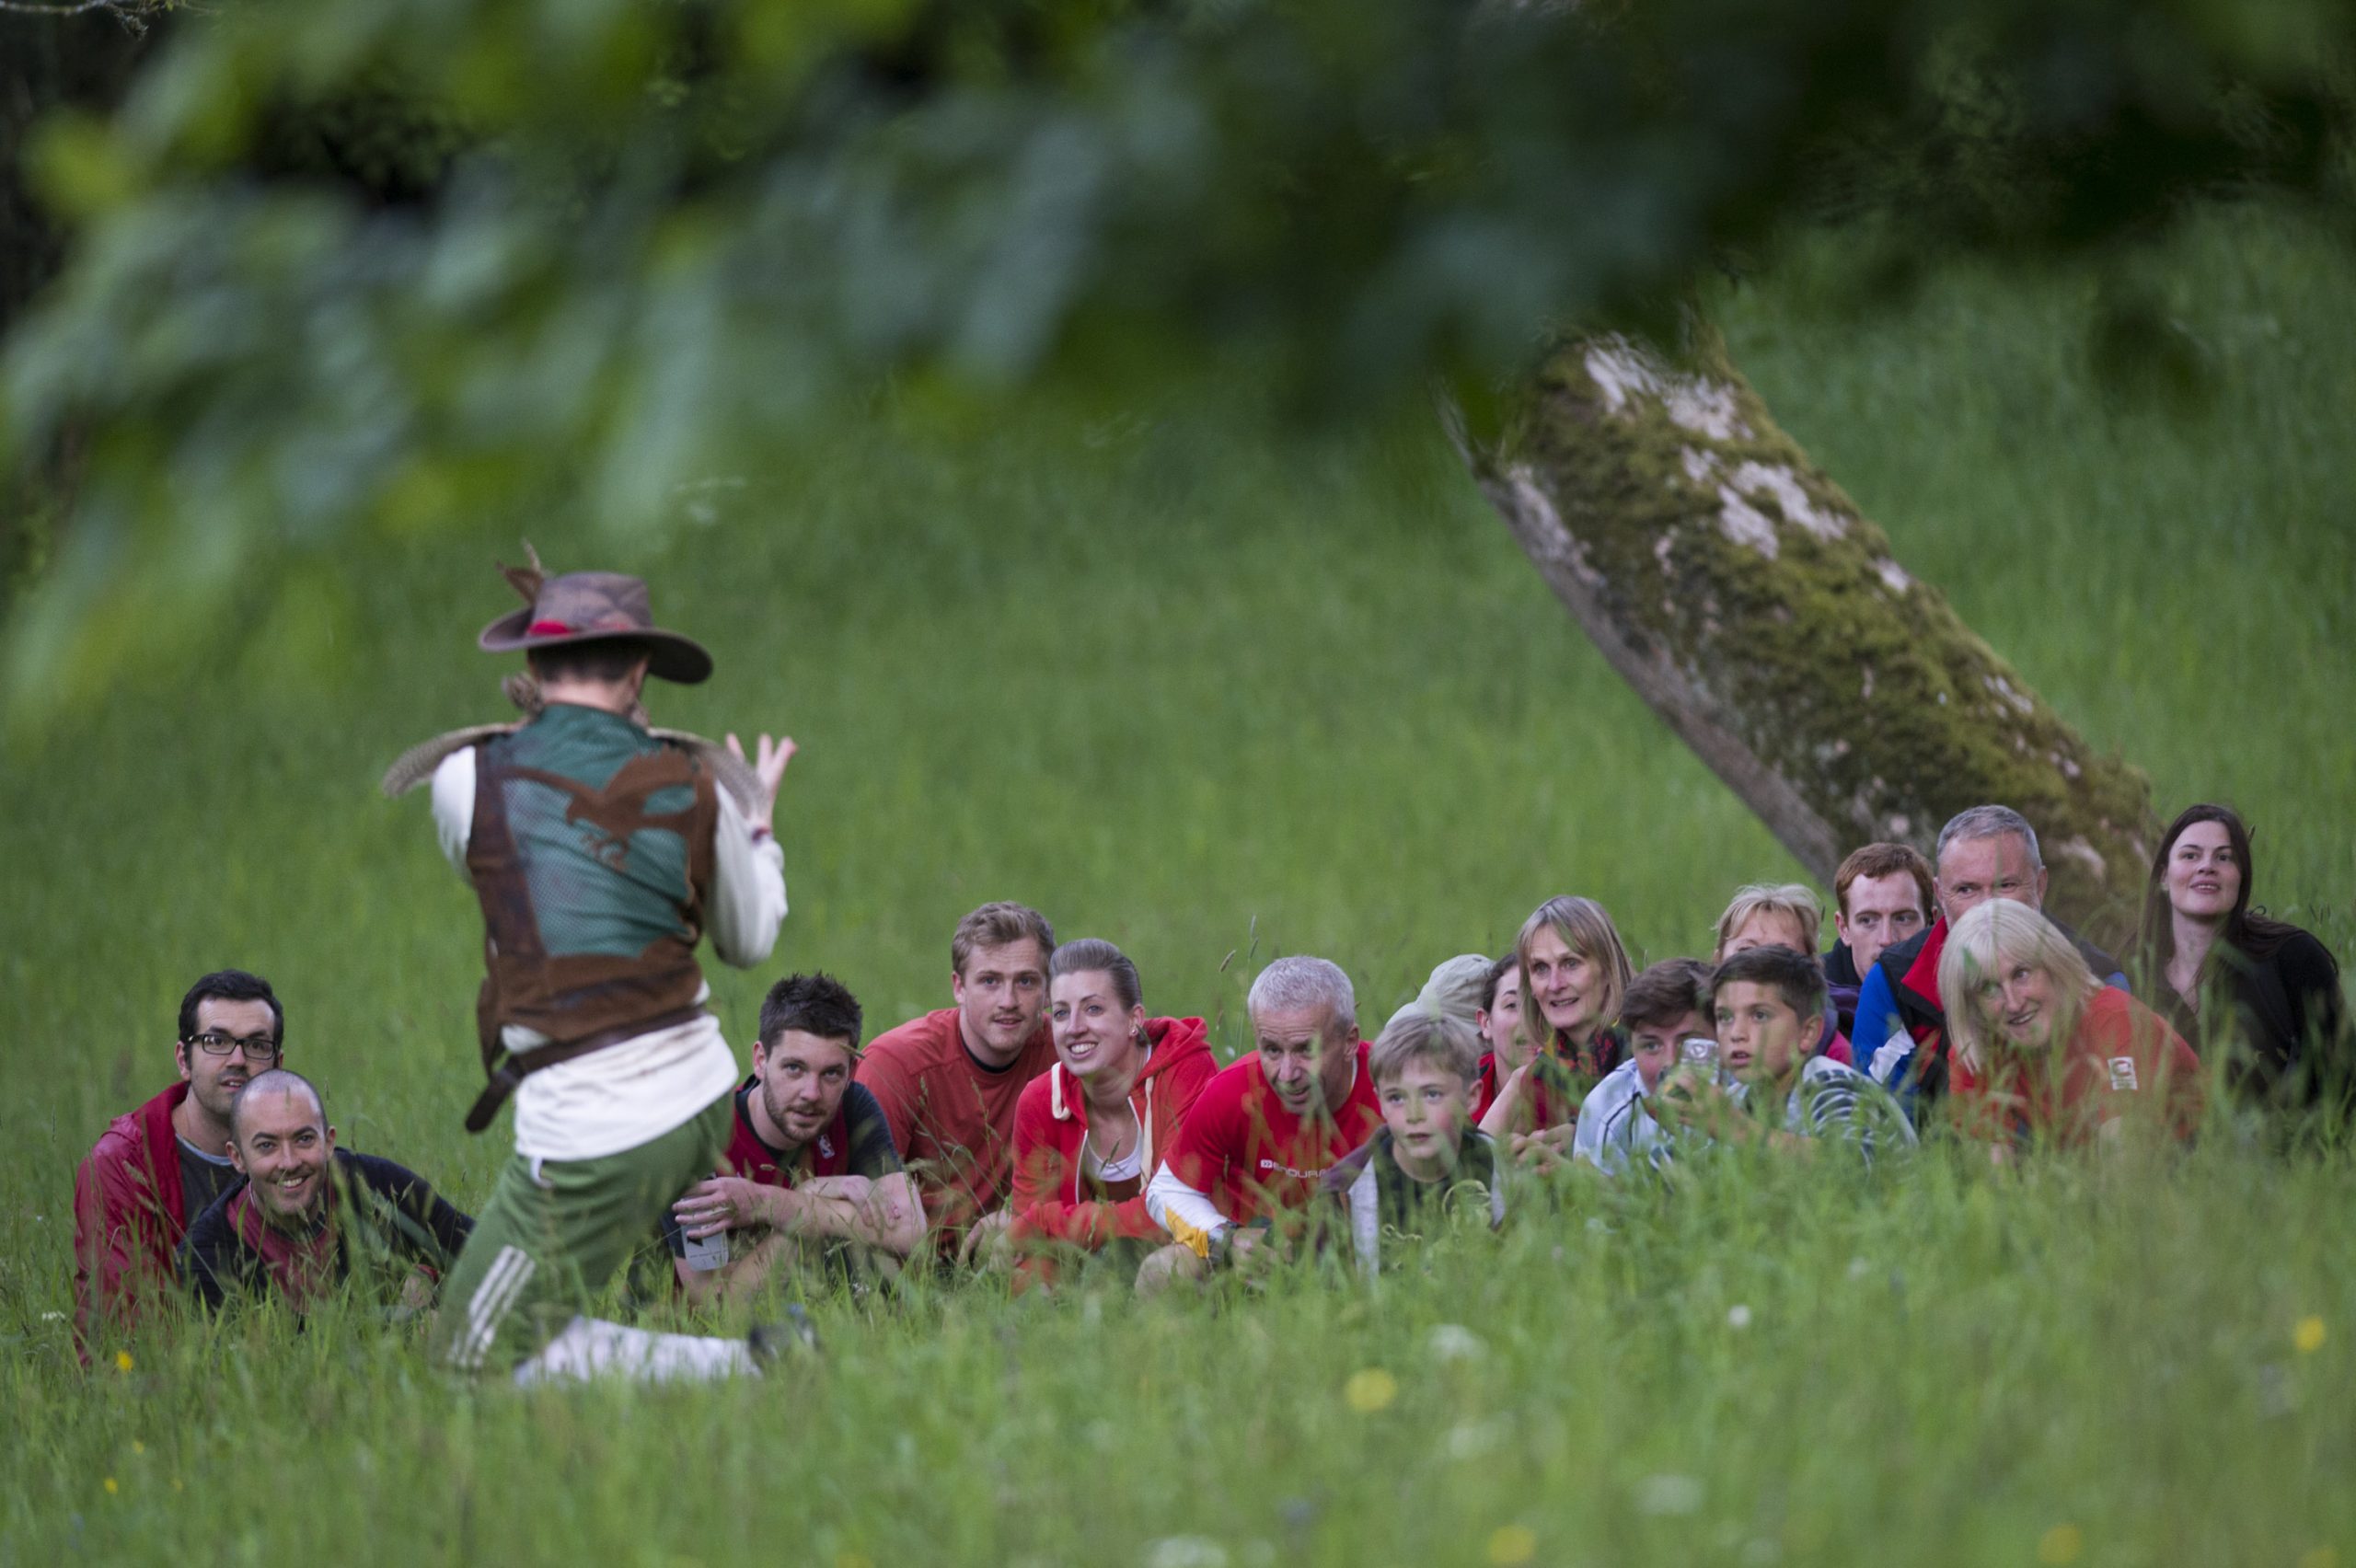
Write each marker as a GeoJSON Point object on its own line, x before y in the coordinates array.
{"type": "Point", "coordinates": [1769, 623]}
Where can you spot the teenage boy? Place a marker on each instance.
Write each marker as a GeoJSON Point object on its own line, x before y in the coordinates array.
{"type": "Point", "coordinates": [1770, 1004]}
{"type": "Point", "coordinates": [950, 1082]}
{"type": "Point", "coordinates": [1266, 1128]}
{"type": "Point", "coordinates": [1666, 1006]}
{"type": "Point", "coordinates": [160, 1166]}
{"type": "Point", "coordinates": [810, 1174]}
{"type": "Point", "coordinates": [1426, 1156]}
{"type": "Point", "coordinates": [306, 1217]}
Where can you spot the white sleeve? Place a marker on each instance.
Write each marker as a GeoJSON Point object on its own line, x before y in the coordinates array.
{"type": "Point", "coordinates": [748, 900]}
{"type": "Point", "coordinates": [454, 805]}
{"type": "Point", "coordinates": [1167, 1198]}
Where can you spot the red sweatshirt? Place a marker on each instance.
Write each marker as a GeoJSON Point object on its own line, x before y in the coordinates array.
{"type": "Point", "coordinates": [1250, 1156]}
{"type": "Point", "coordinates": [1053, 1199]}
{"type": "Point", "coordinates": [2121, 1055]}
{"type": "Point", "coordinates": [128, 1216]}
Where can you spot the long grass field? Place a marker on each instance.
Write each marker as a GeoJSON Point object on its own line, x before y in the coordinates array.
{"type": "Point", "coordinates": [1216, 693]}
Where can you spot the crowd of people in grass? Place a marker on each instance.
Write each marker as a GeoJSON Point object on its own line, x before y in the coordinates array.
{"type": "Point", "coordinates": [1048, 1122]}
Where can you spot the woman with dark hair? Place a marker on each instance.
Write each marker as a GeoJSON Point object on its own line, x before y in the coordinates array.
{"type": "Point", "coordinates": [1089, 1131]}
{"type": "Point", "coordinates": [2228, 978]}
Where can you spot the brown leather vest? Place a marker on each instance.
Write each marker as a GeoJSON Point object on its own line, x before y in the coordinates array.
{"type": "Point", "coordinates": [571, 873]}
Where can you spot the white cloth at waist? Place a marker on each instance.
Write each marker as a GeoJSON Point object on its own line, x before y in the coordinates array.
{"type": "Point", "coordinates": [624, 1095]}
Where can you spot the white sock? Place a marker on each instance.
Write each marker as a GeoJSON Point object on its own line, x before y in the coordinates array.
{"type": "Point", "coordinates": [592, 1347]}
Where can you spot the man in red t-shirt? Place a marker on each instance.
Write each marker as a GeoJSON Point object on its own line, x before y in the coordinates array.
{"type": "Point", "coordinates": [810, 1174]}
{"type": "Point", "coordinates": [1266, 1128]}
{"type": "Point", "coordinates": [949, 1082]}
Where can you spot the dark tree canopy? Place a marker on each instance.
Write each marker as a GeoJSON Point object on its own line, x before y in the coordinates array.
{"type": "Point", "coordinates": [342, 266]}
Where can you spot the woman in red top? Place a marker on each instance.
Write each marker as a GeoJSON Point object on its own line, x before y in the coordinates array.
{"type": "Point", "coordinates": [1498, 1022]}
{"type": "Point", "coordinates": [2041, 1049]}
{"type": "Point", "coordinates": [1087, 1131]}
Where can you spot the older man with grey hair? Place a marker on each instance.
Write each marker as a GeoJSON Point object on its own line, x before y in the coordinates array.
{"type": "Point", "coordinates": [1986, 852]}
{"type": "Point", "coordinates": [1263, 1132]}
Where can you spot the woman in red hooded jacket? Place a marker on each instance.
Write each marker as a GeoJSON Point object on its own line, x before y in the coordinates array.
{"type": "Point", "coordinates": [1089, 1131]}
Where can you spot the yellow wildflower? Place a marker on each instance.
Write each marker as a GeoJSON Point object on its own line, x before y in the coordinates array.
{"type": "Point", "coordinates": [2060, 1545]}
{"type": "Point", "coordinates": [2309, 1335]}
{"type": "Point", "coordinates": [1371, 1390]}
{"type": "Point", "coordinates": [1511, 1544]}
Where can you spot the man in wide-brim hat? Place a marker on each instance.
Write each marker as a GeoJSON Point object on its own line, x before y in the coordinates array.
{"type": "Point", "coordinates": [602, 851]}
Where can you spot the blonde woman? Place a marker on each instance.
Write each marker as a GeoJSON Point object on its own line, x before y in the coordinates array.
{"type": "Point", "coordinates": [2039, 1048]}
{"type": "Point", "coordinates": [1573, 972]}
{"type": "Point", "coordinates": [1786, 915]}
{"type": "Point", "coordinates": [1770, 915]}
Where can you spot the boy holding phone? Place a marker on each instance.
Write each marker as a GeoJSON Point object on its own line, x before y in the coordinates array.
{"type": "Point", "coordinates": [1769, 1006]}
{"type": "Point", "coordinates": [1666, 1006]}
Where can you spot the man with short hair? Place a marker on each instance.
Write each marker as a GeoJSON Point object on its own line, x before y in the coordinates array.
{"type": "Point", "coordinates": [306, 1217]}
{"type": "Point", "coordinates": [1666, 1006]}
{"type": "Point", "coordinates": [1266, 1128]}
{"type": "Point", "coordinates": [949, 1082]}
{"type": "Point", "coordinates": [1883, 896]}
{"type": "Point", "coordinates": [160, 1166]}
{"type": "Point", "coordinates": [601, 852]}
{"type": "Point", "coordinates": [810, 1175]}
{"type": "Point", "coordinates": [1770, 1087]}
{"type": "Point", "coordinates": [1404, 1184]}
{"type": "Point", "coordinates": [1985, 852]}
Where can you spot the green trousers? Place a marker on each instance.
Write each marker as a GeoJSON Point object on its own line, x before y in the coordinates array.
{"type": "Point", "coordinates": [552, 1235]}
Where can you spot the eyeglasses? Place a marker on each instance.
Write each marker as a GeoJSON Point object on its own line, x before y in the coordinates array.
{"type": "Point", "coordinates": [257, 1047]}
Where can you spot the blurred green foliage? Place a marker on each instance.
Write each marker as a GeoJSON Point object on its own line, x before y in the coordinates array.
{"type": "Point", "coordinates": [402, 265]}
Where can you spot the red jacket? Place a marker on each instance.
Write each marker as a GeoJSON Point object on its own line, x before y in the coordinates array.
{"type": "Point", "coordinates": [1051, 1201]}
{"type": "Point", "coordinates": [2121, 1058]}
{"type": "Point", "coordinates": [128, 1216]}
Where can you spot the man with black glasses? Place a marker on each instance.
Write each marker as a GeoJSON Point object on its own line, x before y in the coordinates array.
{"type": "Point", "coordinates": [164, 1163]}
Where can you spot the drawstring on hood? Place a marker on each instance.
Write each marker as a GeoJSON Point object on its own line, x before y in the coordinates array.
{"type": "Point", "coordinates": [1169, 1041]}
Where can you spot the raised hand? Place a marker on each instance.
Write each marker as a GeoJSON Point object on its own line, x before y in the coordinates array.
{"type": "Point", "coordinates": [769, 768]}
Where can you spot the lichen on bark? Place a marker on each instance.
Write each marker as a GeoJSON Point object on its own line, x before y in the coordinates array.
{"type": "Point", "coordinates": [1768, 622]}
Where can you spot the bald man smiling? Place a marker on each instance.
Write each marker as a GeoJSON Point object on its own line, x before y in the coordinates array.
{"type": "Point", "coordinates": [306, 1218]}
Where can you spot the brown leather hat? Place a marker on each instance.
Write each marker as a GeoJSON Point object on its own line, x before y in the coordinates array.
{"type": "Point", "coordinates": [590, 607]}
